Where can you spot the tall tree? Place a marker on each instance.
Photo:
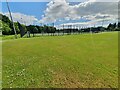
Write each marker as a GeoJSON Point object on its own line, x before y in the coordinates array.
{"type": "Point", "coordinates": [6, 30]}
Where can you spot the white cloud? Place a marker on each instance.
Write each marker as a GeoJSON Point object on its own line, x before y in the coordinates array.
{"type": "Point", "coordinates": [91, 10]}
{"type": "Point", "coordinates": [105, 20]}
{"type": "Point", "coordinates": [56, 9]}
{"type": "Point", "coordinates": [22, 18]}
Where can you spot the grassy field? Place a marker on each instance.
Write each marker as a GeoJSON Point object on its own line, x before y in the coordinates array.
{"type": "Point", "coordinates": [0, 62]}
{"type": "Point", "coordinates": [71, 61]}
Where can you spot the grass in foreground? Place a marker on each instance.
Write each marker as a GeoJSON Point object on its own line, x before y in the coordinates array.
{"type": "Point", "coordinates": [84, 61]}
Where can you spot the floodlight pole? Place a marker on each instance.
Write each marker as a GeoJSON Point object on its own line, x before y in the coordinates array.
{"type": "Point", "coordinates": [53, 24]}
{"type": "Point", "coordinates": [11, 19]}
{"type": "Point", "coordinates": [103, 21]}
{"type": "Point", "coordinates": [63, 29]}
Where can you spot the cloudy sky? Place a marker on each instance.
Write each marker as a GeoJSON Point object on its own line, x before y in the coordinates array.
{"type": "Point", "coordinates": [84, 13]}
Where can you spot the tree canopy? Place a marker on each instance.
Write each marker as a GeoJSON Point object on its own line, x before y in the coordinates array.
{"type": "Point", "coordinates": [7, 28]}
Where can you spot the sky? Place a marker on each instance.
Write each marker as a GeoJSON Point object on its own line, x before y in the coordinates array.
{"type": "Point", "coordinates": [85, 13]}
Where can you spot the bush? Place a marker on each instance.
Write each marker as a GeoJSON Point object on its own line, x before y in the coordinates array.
{"type": "Point", "coordinates": [6, 30]}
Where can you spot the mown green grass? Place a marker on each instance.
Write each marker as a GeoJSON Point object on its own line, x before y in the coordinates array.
{"type": "Point", "coordinates": [84, 61]}
{"type": "Point", "coordinates": [0, 63]}
{"type": "Point", "coordinates": [9, 37]}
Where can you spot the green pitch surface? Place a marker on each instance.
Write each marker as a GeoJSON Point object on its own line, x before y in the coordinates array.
{"type": "Point", "coordinates": [70, 61]}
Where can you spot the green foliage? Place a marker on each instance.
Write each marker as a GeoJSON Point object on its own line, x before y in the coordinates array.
{"type": "Point", "coordinates": [5, 19]}
{"type": "Point", "coordinates": [117, 29]}
{"type": "Point", "coordinates": [17, 28]}
{"type": "Point", "coordinates": [35, 30]}
{"type": "Point", "coordinates": [6, 30]}
{"type": "Point", "coordinates": [41, 29]}
{"type": "Point", "coordinates": [30, 28]}
{"type": "Point", "coordinates": [45, 29]}
{"type": "Point", "coordinates": [113, 27]}
{"type": "Point", "coordinates": [53, 29]}
{"type": "Point", "coordinates": [10, 37]}
{"type": "Point", "coordinates": [24, 27]}
{"type": "Point", "coordinates": [0, 26]}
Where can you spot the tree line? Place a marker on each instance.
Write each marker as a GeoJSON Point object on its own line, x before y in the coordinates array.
{"type": "Point", "coordinates": [7, 29]}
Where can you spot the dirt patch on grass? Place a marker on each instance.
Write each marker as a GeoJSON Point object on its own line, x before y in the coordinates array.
{"type": "Point", "coordinates": [63, 80]}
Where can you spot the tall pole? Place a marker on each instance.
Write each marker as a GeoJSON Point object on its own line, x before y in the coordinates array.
{"type": "Point", "coordinates": [11, 19]}
{"type": "Point", "coordinates": [63, 29]}
{"type": "Point", "coordinates": [53, 24]}
{"type": "Point", "coordinates": [103, 21]}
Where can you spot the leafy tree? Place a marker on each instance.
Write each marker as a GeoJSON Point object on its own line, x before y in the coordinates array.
{"type": "Point", "coordinates": [109, 27]}
{"type": "Point", "coordinates": [35, 30]}
{"type": "Point", "coordinates": [6, 30]}
{"type": "Point", "coordinates": [30, 28]}
{"type": "Point", "coordinates": [17, 28]}
{"type": "Point", "coordinates": [52, 29]}
{"type": "Point", "coordinates": [45, 29]}
{"type": "Point", "coordinates": [41, 30]}
{"type": "Point", "coordinates": [48, 30]}
{"type": "Point", "coordinates": [24, 27]}
{"type": "Point", "coordinates": [112, 27]}
{"type": "Point", "coordinates": [5, 19]}
{"type": "Point", "coordinates": [0, 26]}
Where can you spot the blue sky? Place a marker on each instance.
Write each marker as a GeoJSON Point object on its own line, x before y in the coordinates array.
{"type": "Point", "coordinates": [62, 12]}
{"type": "Point", "coordinates": [33, 8]}
{"type": "Point", "coordinates": [29, 8]}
